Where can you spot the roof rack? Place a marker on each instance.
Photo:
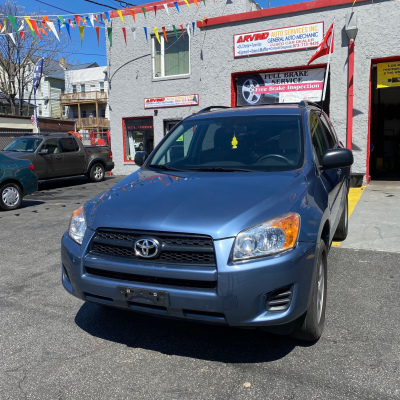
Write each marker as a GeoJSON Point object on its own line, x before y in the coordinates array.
{"type": "Point", "coordinates": [210, 108]}
{"type": "Point", "coordinates": [305, 103]}
{"type": "Point", "coordinates": [47, 133]}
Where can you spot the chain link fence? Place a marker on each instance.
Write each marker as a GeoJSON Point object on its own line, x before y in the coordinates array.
{"type": "Point", "coordinates": [7, 137]}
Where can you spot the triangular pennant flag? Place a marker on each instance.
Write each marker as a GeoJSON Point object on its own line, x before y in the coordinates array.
{"type": "Point", "coordinates": [124, 32]}
{"type": "Point", "coordinates": [176, 5]}
{"type": "Point", "coordinates": [156, 33]}
{"type": "Point", "coordinates": [97, 33]}
{"type": "Point", "coordinates": [109, 33]}
{"type": "Point", "coordinates": [165, 33]}
{"type": "Point", "coordinates": [43, 31]}
{"type": "Point", "coordinates": [67, 26]}
{"type": "Point", "coordinates": [155, 11]}
{"type": "Point", "coordinates": [120, 15]}
{"type": "Point", "coordinates": [33, 23]}
{"type": "Point", "coordinates": [193, 25]}
{"type": "Point", "coordinates": [81, 32]}
{"type": "Point", "coordinates": [144, 11]}
{"type": "Point", "coordinates": [13, 23]}
{"type": "Point", "coordinates": [22, 35]}
{"type": "Point", "coordinates": [91, 17]}
{"type": "Point", "coordinates": [12, 36]}
{"type": "Point", "coordinates": [133, 14]}
{"type": "Point", "coordinates": [21, 28]}
{"type": "Point", "coordinates": [188, 29]}
{"type": "Point", "coordinates": [183, 32]}
{"type": "Point", "coordinates": [77, 19]}
{"type": "Point", "coordinates": [176, 33]}
{"type": "Point", "coordinates": [197, 4]}
{"type": "Point", "coordinates": [53, 29]}
{"type": "Point", "coordinates": [95, 17]}
{"type": "Point", "coordinates": [166, 8]}
{"type": "Point", "coordinates": [107, 14]}
{"type": "Point", "coordinates": [61, 19]}
{"type": "Point", "coordinates": [134, 33]}
{"type": "Point", "coordinates": [204, 1]}
{"type": "Point", "coordinates": [187, 3]}
{"type": "Point", "coordinates": [0, 27]}
{"type": "Point", "coordinates": [145, 32]}
{"type": "Point", "coordinates": [4, 25]}
{"type": "Point", "coordinates": [71, 24]}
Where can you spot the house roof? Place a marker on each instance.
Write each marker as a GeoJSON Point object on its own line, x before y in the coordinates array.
{"type": "Point", "coordinates": [53, 68]}
{"type": "Point", "coordinates": [4, 100]}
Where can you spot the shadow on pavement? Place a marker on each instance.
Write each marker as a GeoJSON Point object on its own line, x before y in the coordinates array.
{"type": "Point", "coordinates": [68, 182]}
{"type": "Point", "coordinates": [181, 338]}
{"type": "Point", "coordinates": [30, 203]}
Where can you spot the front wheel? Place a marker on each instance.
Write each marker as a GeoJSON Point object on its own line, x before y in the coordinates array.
{"type": "Point", "coordinates": [96, 173]}
{"type": "Point", "coordinates": [310, 325]}
{"type": "Point", "coordinates": [10, 196]}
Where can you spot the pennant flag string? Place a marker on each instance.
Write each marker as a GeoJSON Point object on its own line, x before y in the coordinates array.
{"type": "Point", "coordinates": [120, 15]}
{"type": "Point", "coordinates": [165, 33]}
{"type": "Point", "coordinates": [81, 32]}
{"type": "Point", "coordinates": [145, 32]}
{"type": "Point", "coordinates": [133, 14]}
{"type": "Point", "coordinates": [109, 34]}
{"type": "Point", "coordinates": [53, 29]}
{"type": "Point", "coordinates": [124, 32]}
{"type": "Point", "coordinates": [166, 8]}
{"type": "Point", "coordinates": [97, 33]}
{"type": "Point", "coordinates": [156, 33]}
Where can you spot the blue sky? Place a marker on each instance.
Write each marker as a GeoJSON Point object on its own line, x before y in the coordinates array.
{"type": "Point", "coordinates": [90, 51]}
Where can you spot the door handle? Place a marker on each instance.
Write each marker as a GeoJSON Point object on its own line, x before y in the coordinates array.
{"type": "Point", "coordinates": [58, 157]}
{"type": "Point", "coordinates": [81, 155]}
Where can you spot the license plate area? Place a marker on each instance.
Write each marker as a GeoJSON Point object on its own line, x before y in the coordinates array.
{"type": "Point", "coordinates": [144, 296]}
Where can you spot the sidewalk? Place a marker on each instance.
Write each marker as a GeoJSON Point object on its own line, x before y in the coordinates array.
{"type": "Point", "coordinates": [375, 221]}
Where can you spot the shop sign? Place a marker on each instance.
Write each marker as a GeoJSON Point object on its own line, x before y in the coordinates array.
{"type": "Point", "coordinates": [280, 87]}
{"type": "Point", "coordinates": [278, 40]}
{"type": "Point", "coordinates": [171, 101]}
{"type": "Point", "coordinates": [388, 74]}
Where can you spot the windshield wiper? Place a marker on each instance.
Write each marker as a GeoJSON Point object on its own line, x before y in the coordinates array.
{"type": "Point", "coordinates": [219, 169]}
{"type": "Point", "coordinates": [163, 167]}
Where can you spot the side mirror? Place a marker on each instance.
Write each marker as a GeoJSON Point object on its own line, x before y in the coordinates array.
{"type": "Point", "coordinates": [337, 158]}
{"type": "Point", "coordinates": [140, 157]}
{"type": "Point", "coordinates": [43, 152]}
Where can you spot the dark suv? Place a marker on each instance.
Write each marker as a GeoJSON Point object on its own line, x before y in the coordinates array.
{"type": "Point", "coordinates": [229, 220]}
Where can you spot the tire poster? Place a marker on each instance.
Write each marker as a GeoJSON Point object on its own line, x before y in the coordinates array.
{"type": "Point", "coordinates": [280, 87]}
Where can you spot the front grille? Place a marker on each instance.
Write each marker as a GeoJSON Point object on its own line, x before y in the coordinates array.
{"type": "Point", "coordinates": [123, 276]}
{"type": "Point", "coordinates": [176, 248]}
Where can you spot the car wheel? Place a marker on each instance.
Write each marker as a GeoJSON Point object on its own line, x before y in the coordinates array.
{"type": "Point", "coordinates": [343, 226]}
{"type": "Point", "coordinates": [10, 196]}
{"type": "Point", "coordinates": [310, 325]}
{"type": "Point", "coordinates": [248, 90]}
{"type": "Point", "coordinates": [96, 172]}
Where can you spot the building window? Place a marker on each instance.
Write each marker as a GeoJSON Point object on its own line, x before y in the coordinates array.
{"type": "Point", "coordinates": [73, 88]}
{"type": "Point", "coordinates": [40, 109]}
{"type": "Point", "coordinates": [75, 113]}
{"type": "Point", "coordinates": [102, 112]}
{"type": "Point", "coordinates": [64, 111]}
{"type": "Point", "coordinates": [138, 136]}
{"type": "Point", "coordinates": [83, 114]}
{"type": "Point", "coordinates": [82, 88]}
{"type": "Point", "coordinates": [171, 58]}
{"type": "Point", "coordinates": [101, 86]}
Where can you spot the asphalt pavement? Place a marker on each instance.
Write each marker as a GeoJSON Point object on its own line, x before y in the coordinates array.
{"type": "Point", "coordinates": [54, 346]}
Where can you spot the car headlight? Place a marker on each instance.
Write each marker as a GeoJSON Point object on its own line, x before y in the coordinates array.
{"type": "Point", "coordinates": [77, 226]}
{"type": "Point", "coordinates": [270, 237]}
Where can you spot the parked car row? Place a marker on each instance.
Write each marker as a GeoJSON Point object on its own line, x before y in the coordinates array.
{"type": "Point", "coordinates": [37, 157]}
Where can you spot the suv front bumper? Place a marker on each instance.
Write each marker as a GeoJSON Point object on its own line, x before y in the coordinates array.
{"type": "Point", "coordinates": [241, 296]}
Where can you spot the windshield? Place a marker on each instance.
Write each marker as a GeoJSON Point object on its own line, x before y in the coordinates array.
{"type": "Point", "coordinates": [23, 144]}
{"type": "Point", "coordinates": [244, 143]}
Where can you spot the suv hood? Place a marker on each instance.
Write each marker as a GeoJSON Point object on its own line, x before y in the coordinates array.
{"type": "Point", "coordinates": [219, 204]}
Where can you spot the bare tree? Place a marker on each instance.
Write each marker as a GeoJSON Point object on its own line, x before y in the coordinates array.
{"type": "Point", "coordinates": [16, 72]}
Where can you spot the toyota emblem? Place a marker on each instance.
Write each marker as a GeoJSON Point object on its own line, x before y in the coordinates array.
{"type": "Point", "coordinates": [147, 248]}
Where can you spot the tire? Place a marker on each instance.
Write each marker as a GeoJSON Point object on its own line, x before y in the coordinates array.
{"type": "Point", "coordinates": [310, 325]}
{"type": "Point", "coordinates": [247, 90]}
{"type": "Point", "coordinates": [343, 226]}
{"type": "Point", "coordinates": [10, 196]}
{"type": "Point", "coordinates": [96, 173]}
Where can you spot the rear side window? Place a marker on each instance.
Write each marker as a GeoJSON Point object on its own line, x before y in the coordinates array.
{"type": "Point", "coordinates": [318, 135]}
{"type": "Point", "coordinates": [330, 135]}
{"type": "Point", "coordinates": [69, 145]}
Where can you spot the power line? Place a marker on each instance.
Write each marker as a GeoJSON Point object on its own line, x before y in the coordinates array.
{"type": "Point", "coordinates": [100, 4]}
{"type": "Point", "coordinates": [58, 8]}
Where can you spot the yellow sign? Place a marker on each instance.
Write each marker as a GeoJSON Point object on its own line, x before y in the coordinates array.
{"type": "Point", "coordinates": [388, 74]}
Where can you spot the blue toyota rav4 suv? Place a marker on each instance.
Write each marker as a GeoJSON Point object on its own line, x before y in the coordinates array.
{"type": "Point", "coordinates": [229, 220]}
